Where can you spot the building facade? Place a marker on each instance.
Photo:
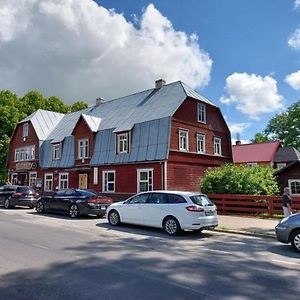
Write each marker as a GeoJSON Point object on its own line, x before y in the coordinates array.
{"type": "Point", "coordinates": [161, 138]}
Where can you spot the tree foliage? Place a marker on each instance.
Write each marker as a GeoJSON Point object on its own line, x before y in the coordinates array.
{"type": "Point", "coordinates": [260, 138]}
{"type": "Point", "coordinates": [239, 179]}
{"type": "Point", "coordinates": [13, 109]}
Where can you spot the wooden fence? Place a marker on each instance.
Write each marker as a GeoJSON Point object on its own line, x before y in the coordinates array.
{"type": "Point", "coordinates": [251, 205]}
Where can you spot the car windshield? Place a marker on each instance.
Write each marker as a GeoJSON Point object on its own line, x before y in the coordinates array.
{"type": "Point", "coordinates": [201, 200]}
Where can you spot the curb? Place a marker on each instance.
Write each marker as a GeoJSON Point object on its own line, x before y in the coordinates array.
{"type": "Point", "coordinates": [247, 233]}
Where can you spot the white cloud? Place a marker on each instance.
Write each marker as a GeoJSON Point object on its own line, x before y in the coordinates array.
{"type": "Point", "coordinates": [78, 50]}
{"type": "Point", "coordinates": [252, 94]}
{"type": "Point", "coordinates": [293, 80]}
{"type": "Point", "coordinates": [238, 127]}
{"type": "Point", "coordinates": [297, 5]}
{"type": "Point", "coordinates": [294, 40]}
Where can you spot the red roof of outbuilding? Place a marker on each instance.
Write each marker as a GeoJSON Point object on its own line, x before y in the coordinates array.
{"type": "Point", "coordinates": [260, 152]}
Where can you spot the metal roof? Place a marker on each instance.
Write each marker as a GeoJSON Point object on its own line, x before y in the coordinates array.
{"type": "Point", "coordinates": [92, 122]}
{"type": "Point", "coordinates": [286, 154]}
{"type": "Point", "coordinates": [43, 121]}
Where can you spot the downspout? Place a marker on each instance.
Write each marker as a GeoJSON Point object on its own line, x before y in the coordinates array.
{"type": "Point", "coordinates": [165, 175]}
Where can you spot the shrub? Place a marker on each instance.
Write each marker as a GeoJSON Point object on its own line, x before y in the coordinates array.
{"type": "Point", "coordinates": [239, 179]}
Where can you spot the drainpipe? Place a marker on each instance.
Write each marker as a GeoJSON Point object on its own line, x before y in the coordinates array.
{"type": "Point", "coordinates": [165, 175]}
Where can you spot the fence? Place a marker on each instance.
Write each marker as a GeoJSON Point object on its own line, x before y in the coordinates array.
{"type": "Point", "coordinates": [250, 204]}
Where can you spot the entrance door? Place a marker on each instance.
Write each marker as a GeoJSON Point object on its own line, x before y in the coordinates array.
{"type": "Point", "coordinates": [23, 179]}
{"type": "Point", "coordinates": [83, 181]}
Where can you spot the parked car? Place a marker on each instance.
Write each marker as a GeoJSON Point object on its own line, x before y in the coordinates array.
{"type": "Point", "coordinates": [288, 231]}
{"type": "Point", "coordinates": [171, 210]}
{"type": "Point", "coordinates": [12, 195]}
{"type": "Point", "coordinates": [75, 202]}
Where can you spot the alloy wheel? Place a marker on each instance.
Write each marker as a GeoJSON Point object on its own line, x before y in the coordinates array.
{"type": "Point", "coordinates": [113, 218]}
{"type": "Point", "coordinates": [7, 203]}
{"type": "Point", "coordinates": [39, 207]}
{"type": "Point", "coordinates": [171, 226]}
{"type": "Point", "coordinates": [73, 212]}
{"type": "Point", "coordinates": [295, 240]}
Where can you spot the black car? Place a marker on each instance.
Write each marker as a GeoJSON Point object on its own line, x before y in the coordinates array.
{"type": "Point", "coordinates": [75, 202]}
{"type": "Point", "coordinates": [12, 195]}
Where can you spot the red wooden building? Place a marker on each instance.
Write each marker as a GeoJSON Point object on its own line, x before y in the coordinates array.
{"type": "Point", "coordinates": [161, 138]}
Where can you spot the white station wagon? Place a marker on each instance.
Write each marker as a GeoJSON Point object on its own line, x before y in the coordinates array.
{"type": "Point", "coordinates": [171, 210]}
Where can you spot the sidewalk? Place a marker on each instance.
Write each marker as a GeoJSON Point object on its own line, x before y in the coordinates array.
{"type": "Point", "coordinates": [247, 225]}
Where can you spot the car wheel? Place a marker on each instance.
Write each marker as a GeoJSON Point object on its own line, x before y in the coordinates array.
{"type": "Point", "coordinates": [40, 207]}
{"type": "Point", "coordinates": [171, 226]}
{"type": "Point", "coordinates": [73, 211]}
{"type": "Point", "coordinates": [295, 240]}
{"type": "Point", "coordinates": [7, 203]}
{"type": "Point", "coordinates": [114, 218]}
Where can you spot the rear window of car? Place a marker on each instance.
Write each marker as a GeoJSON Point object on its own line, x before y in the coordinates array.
{"type": "Point", "coordinates": [25, 189]}
{"type": "Point", "coordinates": [201, 200]}
{"type": "Point", "coordinates": [9, 188]}
{"type": "Point", "coordinates": [87, 193]}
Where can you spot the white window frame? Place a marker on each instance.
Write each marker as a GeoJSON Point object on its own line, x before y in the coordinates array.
{"type": "Point", "coordinates": [217, 146]}
{"type": "Point", "coordinates": [252, 164]}
{"type": "Point", "coordinates": [96, 176]}
{"type": "Point", "coordinates": [148, 181]}
{"type": "Point", "coordinates": [200, 141]}
{"type": "Point", "coordinates": [83, 148]}
{"type": "Point", "coordinates": [63, 183]}
{"type": "Point", "coordinates": [25, 154]}
{"type": "Point", "coordinates": [106, 182]}
{"type": "Point", "coordinates": [201, 113]}
{"type": "Point", "coordinates": [14, 178]}
{"type": "Point", "coordinates": [123, 143]}
{"type": "Point", "coordinates": [290, 181]}
{"type": "Point", "coordinates": [280, 165]}
{"type": "Point", "coordinates": [17, 155]}
{"type": "Point", "coordinates": [25, 130]}
{"type": "Point", "coordinates": [32, 178]}
{"type": "Point", "coordinates": [48, 180]}
{"type": "Point", "coordinates": [183, 136]}
{"type": "Point", "coordinates": [56, 151]}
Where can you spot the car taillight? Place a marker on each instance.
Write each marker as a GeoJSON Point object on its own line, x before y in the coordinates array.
{"type": "Point", "coordinates": [194, 208]}
{"type": "Point", "coordinates": [37, 195]}
{"type": "Point", "coordinates": [17, 194]}
{"type": "Point", "coordinates": [93, 200]}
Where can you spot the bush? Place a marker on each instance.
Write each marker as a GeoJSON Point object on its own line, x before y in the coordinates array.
{"type": "Point", "coordinates": [239, 179]}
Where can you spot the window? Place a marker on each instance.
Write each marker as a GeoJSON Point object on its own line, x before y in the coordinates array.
{"type": "Point", "coordinates": [201, 113]}
{"type": "Point", "coordinates": [281, 165]}
{"type": "Point", "coordinates": [252, 165]}
{"type": "Point", "coordinates": [122, 143]}
{"type": "Point", "coordinates": [183, 140]}
{"type": "Point", "coordinates": [200, 143]}
{"type": "Point", "coordinates": [108, 184]}
{"type": "Point", "coordinates": [48, 185]}
{"type": "Point", "coordinates": [25, 130]}
{"type": "Point", "coordinates": [294, 185]}
{"type": "Point", "coordinates": [83, 148]}
{"type": "Point", "coordinates": [144, 180]}
{"type": "Point", "coordinates": [157, 198]}
{"type": "Point", "coordinates": [56, 151]}
{"type": "Point", "coordinates": [138, 199]}
{"type": "Point", "coordinates": [172, 198]}
{"type": "Point", "coordinates": [63, 181]}
{"type": "Point", "coordinates": [14, 178]}
{"type": "Point", "coordinates": [95, 176]}
{"type": "Point", "coordinates": [217, 146]}
{"type": "Point", "coordinates": [25, 154]}
{"type": "Point", "coordinates": [32, 178]}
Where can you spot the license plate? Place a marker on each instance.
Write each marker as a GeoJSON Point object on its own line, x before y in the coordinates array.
{"type": "Point", "coordinates": [209, 213]}
{"type": "Point", "coordinates": [103, 207]}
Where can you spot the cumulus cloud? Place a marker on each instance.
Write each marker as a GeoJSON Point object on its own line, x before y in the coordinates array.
{"type": "Point", "coordinates": [78, 50]}
{"type": "Point", "coordinates": [297, 5]}
{"type": "Point", "coordinates": [236, 128]}
{"type": "Point", "coordinates": [294, 40]}
{"type": "Point", "coordinates": [293, 80]}
{"type": "Point", "coordinates": [252, 94]}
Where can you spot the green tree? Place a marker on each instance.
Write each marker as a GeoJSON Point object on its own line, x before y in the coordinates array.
{"type": "Point", "coordinates": [78, 105]}
{"type": "Point", "coordinates": [31, 102]}
{"type": "Point", "coordinates": [54, 103]}
{"type": "Point", "coordinates": [286, 126]}
{"type": "Point", "coordinates": [260, 138]}
{"type": "Point", "coordinates": [239, 179]}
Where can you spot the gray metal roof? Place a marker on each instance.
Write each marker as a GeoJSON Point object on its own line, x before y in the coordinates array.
{"type": "Point", "coordinates": [286, 154]}
{"type": "Point", "coordinates": [44, 122]}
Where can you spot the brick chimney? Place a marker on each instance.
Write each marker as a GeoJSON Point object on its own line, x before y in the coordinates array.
{"type": "Point", "coordinates": [99, 101]}
{"type": "Point", "coordinates": [159, 83]}
{"type": "Point", "coordinates": [237, 143]}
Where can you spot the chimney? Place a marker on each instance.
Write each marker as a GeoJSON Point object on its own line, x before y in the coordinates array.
{"type": "Point", "coordinates": [237, 143]}
{"type": "Point", "coordinates": [159, 83]}
{"type": "Point", "coordinates": [99, 101]}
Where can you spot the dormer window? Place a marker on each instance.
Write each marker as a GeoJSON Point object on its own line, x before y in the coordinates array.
{"type": "Point", "coordinates": [56, 151]}
{"type": "Point", "coordinates": [123, 143]}
{"type": "Point", "coordinates": [25, 130]}
{"type": "Point", "coordinates": [83, 148]}
{"type": "Point", "coordinates": [201, 110]}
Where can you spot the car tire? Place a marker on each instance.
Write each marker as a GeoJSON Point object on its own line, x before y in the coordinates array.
{"type": "Point", "coordinates": [40, 207]}
{"type": "Point", "coordinates": [295, 240]}
{"type": "Point", "coordinates": [171, 226]}
{"type": "Point", "coordinates": [73, 211]}
{"type": "Point", "coordinates": [7, 203]}
{"type": "Point", "coordinates": [114, 218]}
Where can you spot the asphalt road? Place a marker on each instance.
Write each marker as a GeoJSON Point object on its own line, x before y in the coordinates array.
{"type": "Point", "coordinates": [54, 257]}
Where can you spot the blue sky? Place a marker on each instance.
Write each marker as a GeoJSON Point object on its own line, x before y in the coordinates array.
{"type": "Point", "coordinates": [242, 55]}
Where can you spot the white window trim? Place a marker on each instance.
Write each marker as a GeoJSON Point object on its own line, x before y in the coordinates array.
{"type": "Point", "coordinates": [281, 165]}
{"type": "Point", "coordinates": [198, 110]}
{"type": "Point", "coordinates": [25, 130]}
{"type": "Point", "coordinates": [197, 139]}
{"type": "Point", "coordinates": [60, 180]}
{"type": "Point", "coordinates": [220, 143]}
{"type": "Point", "coordinates": [30, 178]}
{"type": "Point", "coordinates": [48, 174]}
{"type": "Point", "coordinates": [12, 178]}
{"type": "Point", "coordinates": [25, 153]}
{"type": "Point", "coordinates": [96, 176]}
{"type": "Point", "coordinates": [252, 164]}
{"type": "Point", "coordinates": [127, 138]}
{"type": "Point", "coordinates": [103, 181]}
{"type": "Point", "coordinates": [85, 142]}
{"type": "Point", "coordinates": [187, 140]}
{"type": "Point", "coordinates": [290, 185]}
{"type": "Point", "coordinates": [139, 171]}
{"type": "Point", "coordinates": [58, 152]}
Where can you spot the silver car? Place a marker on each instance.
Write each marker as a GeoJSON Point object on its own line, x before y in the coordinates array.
{"type": "Point", "coordinates": [288, 231]}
